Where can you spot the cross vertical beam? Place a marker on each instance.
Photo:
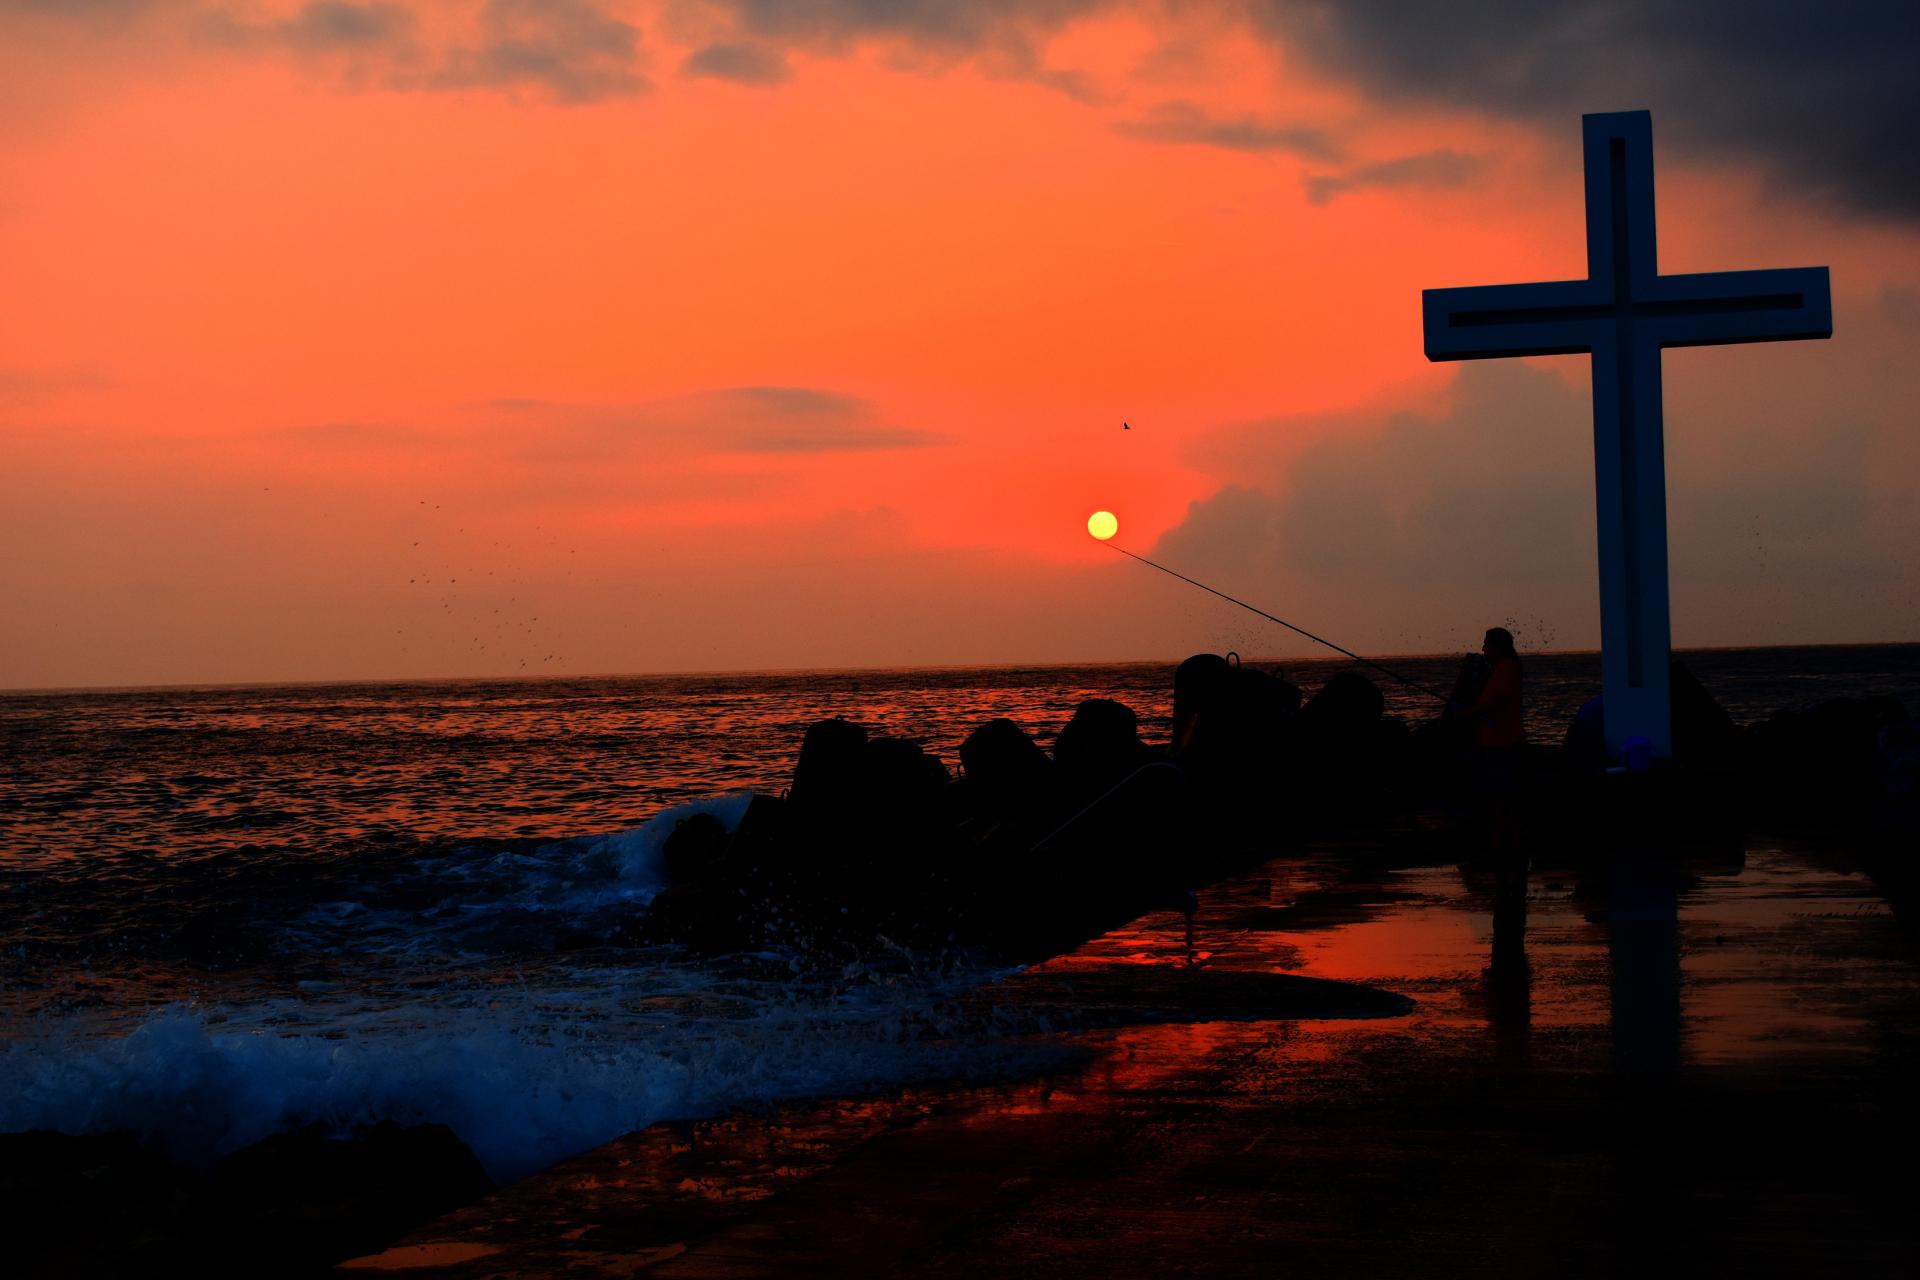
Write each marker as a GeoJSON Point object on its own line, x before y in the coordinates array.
{"type": "Point", "coordinates": [1623, 314]}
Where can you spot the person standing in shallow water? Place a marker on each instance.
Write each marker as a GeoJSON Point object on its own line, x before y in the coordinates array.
{"type": "Point", "coordinates": [1500, 747]}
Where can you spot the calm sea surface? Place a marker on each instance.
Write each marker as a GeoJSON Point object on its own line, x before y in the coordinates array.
{"type": "Point", "coordinates": [227, 911]}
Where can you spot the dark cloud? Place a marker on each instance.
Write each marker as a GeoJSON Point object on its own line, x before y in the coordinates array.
{"type": "Point", "coordinates": [380, 30]}
{"type": "Point", "coordinates": [91, 9]}
{"type": "Point", "coordinates": [768, 420]}
{"type": "Point", "coordinates": [833, 440]}
{"type": "Point", "coordinates": [1002, 36]}
{"type": "Point", "coordinates": [731, 420]}
{"type": "Point", "coordinates": [1427, 169]}
{"type": "Point", "coordinates": [1187, 122]}
{"type": "Point", "coordinates": [956, 25]}
{"type": "Point", "coordinates": [1825, 97]}
{"type": "Point", "coordinates": [332, 24]}
{"type": "Point", "coordinates": [749, 64]}
{"type": "Point", "coordinates": [570, 48]}
{"type": "Point", "coordinates": [793, 400]}
{"type": "Point", "coordinates": [1498, 490]}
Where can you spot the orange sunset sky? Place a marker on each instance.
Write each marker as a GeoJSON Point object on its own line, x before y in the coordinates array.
{"type": "Point", "coordinates": [388, 339]}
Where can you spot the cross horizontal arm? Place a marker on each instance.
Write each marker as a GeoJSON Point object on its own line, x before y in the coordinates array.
{"type": "Point", "coordinates": [1713, 307]}
{"type": "Point", "coordinates": [1558, 317]}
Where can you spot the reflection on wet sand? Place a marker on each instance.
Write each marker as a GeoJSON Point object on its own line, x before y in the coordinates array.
{"type": "Point", "coordinates": [1508, 980]}
{"type": "Point", "coordinates": [1483, 1123]}
{"type": "Point", "coordinates": [1643, 953]}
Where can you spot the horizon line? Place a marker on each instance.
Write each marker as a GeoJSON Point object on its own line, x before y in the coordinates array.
{"type": "Point", "coordinates": [361, 681]}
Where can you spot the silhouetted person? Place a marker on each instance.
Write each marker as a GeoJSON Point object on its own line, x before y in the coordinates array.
{"type": "Point", "coordinates": [1500, 750]}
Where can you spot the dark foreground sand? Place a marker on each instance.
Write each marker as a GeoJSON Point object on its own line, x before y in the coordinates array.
{"type": "Point", "coordinates": [1708, 1067]}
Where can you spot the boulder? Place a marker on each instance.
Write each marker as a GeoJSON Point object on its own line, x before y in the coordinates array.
{"type": "Point", "coordinates": [1202, 688]}
{"type": "Point", "coordinates": [64, 1192]}
{"type": "Point", "coordinates": [1704, 735]}
{"type": "Point", "coordinates": [1230, 723]}
{"type": "Point", "coordinates": [291, 1205]}
{"type": "Point", "coordinates": [1099, 747]}
{"type": "Point", "coordinates": [1005, 768]}
{"type": "Point", "coordinates": [695, 849]}
{"type": "Point", "coordinates": [902, 783]}
{"type": "Point", "coordinates": [1830, 762]}
{"type": "Point", "coordinates": [1584, 747]}
{"type": "Point", "coordinates": [1347, 707]}
{"type": "Point", "coordinates": [339, 1197]}
{"type": "Point", "coordinates": [831, 772]}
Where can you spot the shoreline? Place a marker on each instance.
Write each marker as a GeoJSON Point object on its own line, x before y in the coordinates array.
{"type": "Point", "coordinates": [1515, 1120]}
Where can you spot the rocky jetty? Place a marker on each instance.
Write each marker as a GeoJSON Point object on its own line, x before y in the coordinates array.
{"type": "Point", "coordinates": [1026, 852]}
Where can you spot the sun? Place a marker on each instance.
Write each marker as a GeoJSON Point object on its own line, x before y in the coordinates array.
{"type": "Point", "coordinates": [1102, 525]}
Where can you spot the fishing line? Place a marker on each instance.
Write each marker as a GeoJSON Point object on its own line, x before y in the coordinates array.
{"type": "Point", "coordinates": [1415, 684]}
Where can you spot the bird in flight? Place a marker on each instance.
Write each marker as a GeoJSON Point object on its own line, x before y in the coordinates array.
{"type": "Point", "coordinates": [1125, 427]}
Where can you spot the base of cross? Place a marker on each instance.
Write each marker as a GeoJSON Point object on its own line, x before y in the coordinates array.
{"type": "Point", "coordinates": [1635, 794]}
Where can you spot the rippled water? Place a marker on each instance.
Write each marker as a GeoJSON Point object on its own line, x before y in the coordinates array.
{"type": "Point", "coordinates": [226, 911]}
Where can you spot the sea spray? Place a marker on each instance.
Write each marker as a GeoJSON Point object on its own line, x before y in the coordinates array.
{"type": "Point", "coordinates": [525, 1080]}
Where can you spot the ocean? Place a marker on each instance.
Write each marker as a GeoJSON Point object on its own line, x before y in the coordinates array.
{"type": "Point", "coordinates": [227, 912]}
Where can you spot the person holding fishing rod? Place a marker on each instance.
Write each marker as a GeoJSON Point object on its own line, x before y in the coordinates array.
{"type": "Point", "coordinates": [1500, 747]}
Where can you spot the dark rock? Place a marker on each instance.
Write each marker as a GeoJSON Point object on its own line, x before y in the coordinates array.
{"type": "Point", "coordinates": [1584, 748]}
{"type": "Point", "coordinates": [60, 1190]}
{"type": "Point", "coordinates": [695, 915]}
{"type": "Point", "coordinates": [347, 1196]}
{"type": "Point", "coordinates": [1829, 763]}
{"type": "Point", "coordinates": [1704, 735]}
{"type": "Point", "coordinates": [1005, 767]}
{"type": "Point", "coordinates": [696, 847]}
{"type": "Point", "coordinates": [902, 782]}
{"type": "Point", "coordinates": [291, 1205]}
{"type": "Point", "coordinates": [1135, 848]}
{"type": "Point", "coordinates": [1898, 771]}
{"type": "Point", "coordinates": [1231, 723]}
{"type": "Point", "coordinates": [1347, 706]}
{"type": "Point", "coordinates": [1202, 686]}
{"type": "Point", "coordinates": [831, 772]}
{"type": "Point", "coordinates": [1099, 746]}
{"type": "Point", "coordinates": [1347, 755]}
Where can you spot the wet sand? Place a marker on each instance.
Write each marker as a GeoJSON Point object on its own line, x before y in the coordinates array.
{"type": "Point", "coordinates": [1653, 1065]}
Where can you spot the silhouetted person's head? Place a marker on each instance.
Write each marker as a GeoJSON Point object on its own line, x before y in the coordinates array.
{"type": "Point", "coordinates": [1499, 644]}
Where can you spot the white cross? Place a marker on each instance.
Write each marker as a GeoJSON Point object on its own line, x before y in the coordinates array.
{"type": "Point", "coordinates": [1623, 313]}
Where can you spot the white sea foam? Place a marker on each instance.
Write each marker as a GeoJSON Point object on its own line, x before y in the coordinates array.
{"type": "Point", "coordinates": [479, 900]}
{"type": "Point", "coordinates": [455, 1012]}
{"type": "Point", "coordinates": [524, 1082]}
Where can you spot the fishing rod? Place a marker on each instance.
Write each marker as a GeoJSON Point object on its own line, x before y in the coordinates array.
{"type": "Point", "coordinates": [1431, 693]}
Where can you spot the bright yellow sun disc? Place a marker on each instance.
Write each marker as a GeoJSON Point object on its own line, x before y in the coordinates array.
{"type": "Point", "coordinates": [1102, 525]}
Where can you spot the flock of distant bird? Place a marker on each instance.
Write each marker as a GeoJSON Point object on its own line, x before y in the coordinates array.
{"type": "Point", "coordinates": [503, 624]}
